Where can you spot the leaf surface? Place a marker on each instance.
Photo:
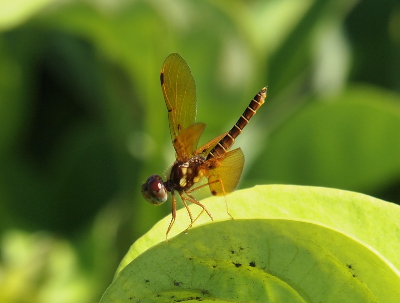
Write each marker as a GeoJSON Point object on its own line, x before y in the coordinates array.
{"type": "Point", "coordinates": [287, 243]}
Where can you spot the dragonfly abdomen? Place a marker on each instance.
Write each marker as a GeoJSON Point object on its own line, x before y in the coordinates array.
{"type": "Point", "coordinates": [226, 142]}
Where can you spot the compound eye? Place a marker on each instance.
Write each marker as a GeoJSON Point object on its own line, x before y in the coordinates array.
{"type": "Point", "coordinates": [154, 191]}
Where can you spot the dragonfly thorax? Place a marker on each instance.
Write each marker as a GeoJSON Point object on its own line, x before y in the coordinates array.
{"type": "Point", "coordinates": [184, 175]}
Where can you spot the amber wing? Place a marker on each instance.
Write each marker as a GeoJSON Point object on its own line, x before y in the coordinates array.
{"type": "Point", "coordinates": [224, 178]}
{"type": "Point", "coordinates": [179, 91]}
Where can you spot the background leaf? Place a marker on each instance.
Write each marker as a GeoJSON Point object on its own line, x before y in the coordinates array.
{"type": "Point", "coordinates": [340, 136]}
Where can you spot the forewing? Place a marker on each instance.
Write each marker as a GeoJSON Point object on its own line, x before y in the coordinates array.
{"type": "Point", "coordinates": [225, 177]}
{"type": "Point", "coordinates": [179, 91]}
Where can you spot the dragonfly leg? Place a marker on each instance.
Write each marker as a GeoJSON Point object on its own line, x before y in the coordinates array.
{"type": "Point", "coordinates": [198, 216]}
{"type": "Point", "coordinates": [223, 192]}
{"type": "Point", "coordinates": [187, 207]}
{"type": "Point", "coordinates": [193, 200]}
{"type": "Point", "coordinates": [173, 216]}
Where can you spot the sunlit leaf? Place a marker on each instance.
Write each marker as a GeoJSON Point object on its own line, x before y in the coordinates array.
{"type": "Point", "coordinates": [288, 244]}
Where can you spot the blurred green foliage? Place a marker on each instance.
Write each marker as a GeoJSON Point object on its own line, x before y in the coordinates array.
{"type": "Point", "coordinates": [83, 121]}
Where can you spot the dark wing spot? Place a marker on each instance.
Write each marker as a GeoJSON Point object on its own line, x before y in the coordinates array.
{"type": "Point", "coordinates": [252, 264]}
{"type": "Point", "coordinates": [162, 78]}
{"type": "Point", "coordinates": [213, 192]}
{"type": "Point", "coordinates": [237, 264]}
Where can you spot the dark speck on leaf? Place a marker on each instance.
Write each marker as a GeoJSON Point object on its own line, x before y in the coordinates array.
{"type": "Point", "coordinates": [177, 283]}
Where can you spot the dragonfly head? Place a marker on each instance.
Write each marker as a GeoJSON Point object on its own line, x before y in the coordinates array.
{"type": "Point", "coordinates": [154, 190]}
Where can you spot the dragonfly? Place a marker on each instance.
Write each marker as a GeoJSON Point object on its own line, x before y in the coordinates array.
{"type": "Point", "coordinates": [213, 161]}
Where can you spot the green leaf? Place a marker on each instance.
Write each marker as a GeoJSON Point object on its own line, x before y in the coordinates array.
{"type": "Point", "coordinates": [287, 244]}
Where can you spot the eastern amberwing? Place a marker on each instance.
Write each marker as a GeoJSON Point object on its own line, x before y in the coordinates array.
{"type": "Point", "coordinates": [212, 161]}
